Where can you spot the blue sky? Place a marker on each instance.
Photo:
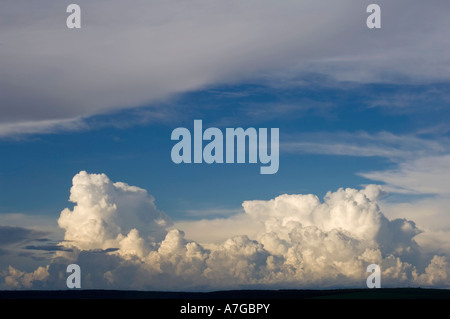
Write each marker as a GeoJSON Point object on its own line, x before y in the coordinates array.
{"type": "Point", "coordinates": [139, 152]}
{"type": "Point", "coordinates": [354, 106]}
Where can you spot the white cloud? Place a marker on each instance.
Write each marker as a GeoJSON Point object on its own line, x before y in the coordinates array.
{"type": "Point", "coordinates": [394, 147]}
{"type": "Point", "coordinates": [127, 56]}
{"type": "Point", "coordinates": [423, 175]}
{"type": "Point", "coordinates": [421, 164]}
{"type": "Point", "coordinates": [437, 271]}
{"type": "Point", "coordinates": [109, 214]}
{"type": "Point", "coordinates": [299, 241]}
{"type": "Point", "coordinates": [18, 279]}
{"type": "Point", "coordinates": [41, 126]}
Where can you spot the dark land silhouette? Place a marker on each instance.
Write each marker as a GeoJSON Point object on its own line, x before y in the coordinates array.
{"type": "Point", "coordinates": [381, 293]}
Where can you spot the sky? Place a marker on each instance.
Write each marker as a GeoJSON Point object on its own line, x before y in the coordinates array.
{"type": "Point", "coordinates": [86, 174]}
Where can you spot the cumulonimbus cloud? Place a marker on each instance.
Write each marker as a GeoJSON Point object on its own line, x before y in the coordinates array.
{"type": "Point", "coordinates": [110, 214]}
{"type": "Point", "coordinates": [122, 241]}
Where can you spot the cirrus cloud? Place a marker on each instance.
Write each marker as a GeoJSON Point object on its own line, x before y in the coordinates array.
{"type": "Point", "coordinates": [128, 56]}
